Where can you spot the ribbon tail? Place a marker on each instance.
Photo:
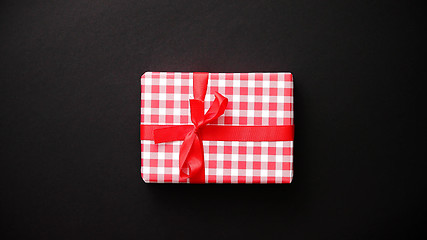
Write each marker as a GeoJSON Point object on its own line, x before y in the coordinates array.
{"type": "Point", "coordinates": [191, 156]}
{"type": "Point", "coordinates": [184, 150]}
{"type": "Point", "coordinates": [196, 161]}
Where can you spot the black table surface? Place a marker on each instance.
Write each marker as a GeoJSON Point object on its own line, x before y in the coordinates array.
{"type": "Point", "coordinates": [70, 112]}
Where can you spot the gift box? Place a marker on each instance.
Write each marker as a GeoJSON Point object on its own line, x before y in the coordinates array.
{"type": "Point", "coordinates": [216, 127]}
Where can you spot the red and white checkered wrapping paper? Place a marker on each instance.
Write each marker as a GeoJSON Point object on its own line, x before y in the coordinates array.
{"type": "Point", "coordinates": [263, 99]}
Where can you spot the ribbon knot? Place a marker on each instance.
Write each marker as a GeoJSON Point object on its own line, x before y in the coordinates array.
{"type": "Point", "coordinates": [191, 154]}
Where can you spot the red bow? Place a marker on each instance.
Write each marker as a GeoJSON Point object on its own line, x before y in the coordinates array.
{"type": "Point", "coordinates": [191, 151]}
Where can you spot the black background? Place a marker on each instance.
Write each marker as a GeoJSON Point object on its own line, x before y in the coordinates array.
{"type": "Point", "coordinates": [70, 90]}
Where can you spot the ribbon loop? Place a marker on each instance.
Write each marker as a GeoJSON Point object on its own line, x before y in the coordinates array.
{"type": "Point", "coordinates": [217, 108]}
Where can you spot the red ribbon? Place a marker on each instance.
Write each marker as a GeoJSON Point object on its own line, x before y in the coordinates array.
{"type": "Point", "coordinates": [191, 154]}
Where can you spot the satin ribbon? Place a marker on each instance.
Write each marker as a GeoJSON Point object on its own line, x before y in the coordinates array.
{"type": "Point", "coordinates": [191, 154]}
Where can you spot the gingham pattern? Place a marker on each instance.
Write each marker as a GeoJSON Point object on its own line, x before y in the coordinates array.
{"type": "Point", "coordinates": [254, 99]}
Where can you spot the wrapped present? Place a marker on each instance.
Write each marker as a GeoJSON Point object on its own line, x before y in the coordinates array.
{"type": "Point", "coordinates": [216, 127]}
